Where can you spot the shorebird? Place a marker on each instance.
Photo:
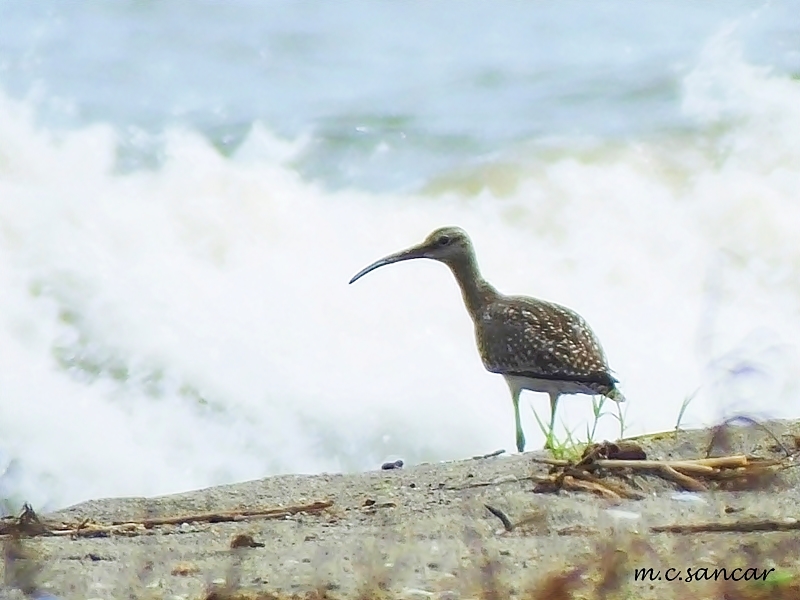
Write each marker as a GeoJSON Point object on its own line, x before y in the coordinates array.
{"type": "Point", "coordinates": [536, 345]}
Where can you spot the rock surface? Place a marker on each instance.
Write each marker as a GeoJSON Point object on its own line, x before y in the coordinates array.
{"type": "Point", "coordinates": [424, 531]}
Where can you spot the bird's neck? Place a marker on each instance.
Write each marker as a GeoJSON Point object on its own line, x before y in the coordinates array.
{"type": "Point", "coordinates": [475, 290]}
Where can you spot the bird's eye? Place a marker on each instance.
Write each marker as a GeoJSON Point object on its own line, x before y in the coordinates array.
{"type": "Point", "coordinates": [443, 240]}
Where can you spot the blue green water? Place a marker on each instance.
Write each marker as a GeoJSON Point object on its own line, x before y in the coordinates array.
{"type": "Point", "coordinates": [388, 94]}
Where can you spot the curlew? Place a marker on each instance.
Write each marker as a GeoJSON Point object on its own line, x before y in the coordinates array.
{"type": "Point", "coordinates": [535, 345]}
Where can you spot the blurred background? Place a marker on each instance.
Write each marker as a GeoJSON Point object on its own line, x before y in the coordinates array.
{"type": "Point", "coordinates": [186, 188]}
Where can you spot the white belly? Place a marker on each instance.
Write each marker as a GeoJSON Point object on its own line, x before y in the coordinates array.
{"type": "Point", "coordinates": [515, 382]}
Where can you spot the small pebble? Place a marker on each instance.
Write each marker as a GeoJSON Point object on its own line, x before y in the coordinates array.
{"type": "Point", "coordinates": [623, 514]}
{"type": "Point", "coordinates": [244, 540]}
{"type": "Point", "coordinates": [95, 557]}
{"type": "Point", "coordinates": [688, 497]}
{"type": "Point", "coordinates": [185, 568]}
{"type": "Point", "coordinates": [416, 593]}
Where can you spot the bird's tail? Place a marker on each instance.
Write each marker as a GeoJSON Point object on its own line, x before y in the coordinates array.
{"type": "Point", "coordinates": [615, 395]}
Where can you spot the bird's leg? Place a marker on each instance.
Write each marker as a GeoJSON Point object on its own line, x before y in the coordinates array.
{"type": "Point", "coordinates": [548, 444]}
{"type": "Point", "coordinates": [520, 435]}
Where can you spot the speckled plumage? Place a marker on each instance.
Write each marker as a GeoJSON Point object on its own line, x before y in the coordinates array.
{"type": "Point", "coordinates": [524, 337]}
{"type": "Point", "coordinates": [536, 345]}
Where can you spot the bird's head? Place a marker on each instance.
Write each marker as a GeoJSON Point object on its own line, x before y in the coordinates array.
{"type": "Point", "coordinates": [446, 244]}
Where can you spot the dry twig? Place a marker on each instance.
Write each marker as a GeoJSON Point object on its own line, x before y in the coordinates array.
{"type": "Point", "coordinates": [728, 472]}
{"type": "Point", "coordinates": [735, 527]}
{"type": "Point", "coordinates": [89, 529]}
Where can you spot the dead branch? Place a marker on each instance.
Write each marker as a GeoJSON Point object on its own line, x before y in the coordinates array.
{"type": "Point", "coordinates": [735, 527]}
{"type": "Point", "coordinates": [683, 465]}
{"type": "Point", "coordinates": [507, 524]}
{"type": "Point", "coordinates": [139, 527]}
{"type": "Point", "coordinates": [727, 472]}
{"type": "Point", "coordinates": [233, 515]}
{"type": "Point", "coordinates": [686, 482]}
{"type": "Point", "coordinates": [618, 489]}
{"type": "Point", "coordinates": [490, 455]}
{"type": "Point", "coordinates": [570, 483]}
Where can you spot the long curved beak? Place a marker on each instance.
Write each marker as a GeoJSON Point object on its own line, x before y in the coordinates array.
{"type": "Point", "coordinates": [415, 252]}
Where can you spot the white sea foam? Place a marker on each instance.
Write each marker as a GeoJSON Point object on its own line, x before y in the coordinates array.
{"type": "Point", "coordinates": [177, 328]}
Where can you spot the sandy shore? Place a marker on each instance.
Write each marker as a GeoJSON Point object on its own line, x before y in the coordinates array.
{"type": "Point", "coordinates": [424, 531]}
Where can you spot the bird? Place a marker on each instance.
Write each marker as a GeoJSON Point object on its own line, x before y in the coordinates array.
{"type": "Point", "coordinates": [534, 344]}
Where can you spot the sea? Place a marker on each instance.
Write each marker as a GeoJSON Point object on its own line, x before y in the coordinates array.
{"type": "Point", "coordinates": [186, 189]}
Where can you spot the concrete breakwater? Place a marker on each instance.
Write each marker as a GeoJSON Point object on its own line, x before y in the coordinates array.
{"type": "Point", "coordinates": [509, 525]}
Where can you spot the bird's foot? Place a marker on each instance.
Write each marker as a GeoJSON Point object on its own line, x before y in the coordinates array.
{"type": "Point", "coordinates": [520, 442]}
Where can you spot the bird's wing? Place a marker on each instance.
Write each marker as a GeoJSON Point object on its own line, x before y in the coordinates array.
{"type": "Point", "coordinates": [520, 336]}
